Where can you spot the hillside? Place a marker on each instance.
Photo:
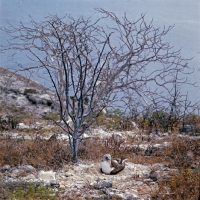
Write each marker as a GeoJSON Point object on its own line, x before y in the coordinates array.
{"type": "Point", "coordinates": [20, 93]}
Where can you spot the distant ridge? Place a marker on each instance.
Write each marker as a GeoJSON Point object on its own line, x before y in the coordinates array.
{"type": "Point", "coordinates": [20, 92]}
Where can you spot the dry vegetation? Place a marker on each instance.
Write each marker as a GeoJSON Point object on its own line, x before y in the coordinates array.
{"type": "Point", "coordinates": [48, 154]}
{"type": "Point", "coordinates": [183, 155]}
{"type": "Point", "coordinates": [52, 154]}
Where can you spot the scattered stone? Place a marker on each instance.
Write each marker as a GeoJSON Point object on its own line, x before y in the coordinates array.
{"type": "Point", "coordinates": [117, 137]}
{"type": "Point", "coordinates": [106, 191]}
{"type": "Point", "coordinates": [17, 173]}
{"type": "Point", "coordinates": [99, 198]}
{"type": "Point", "coordinates": [150, 150]}
{"type": "Point", "coordinates": [30, 177]}
{"type": "Point", "coordinates": [5, 168]}
{"type": "Point", "coordinates": [103, 184]}
{"type": "Point", "coordinates": [69, 173]}
{"type": "Point", "coordinates": [54, 183]}
{"type": "Point", "coordinates": [23, 126]}
{"type": "Point", "coordinates": [132, 197]}
{"type": "Point", "coordinates": [47, 175]}
{"type": "Point", "coordinates": [15, 135]}
{"type": "Point", "coordinates": [28, 168]}
{"type": "Point", "coordinates": [63, 137]}
{"type": "Point", "coordinates": [39, 99]}
{"type": "Point", "coordinates": [154, 176]}
{"type": "Point", "coordinates": [40, 167]}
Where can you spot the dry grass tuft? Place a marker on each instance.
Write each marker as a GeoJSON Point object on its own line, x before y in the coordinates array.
{"type": "Point", "coordinates": [36, 152]}
{"type": "Point", "coordinates": [185, 185]}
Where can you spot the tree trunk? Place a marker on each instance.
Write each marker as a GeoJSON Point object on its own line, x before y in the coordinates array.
{"type": "Point", "coordinates": [75, 150]}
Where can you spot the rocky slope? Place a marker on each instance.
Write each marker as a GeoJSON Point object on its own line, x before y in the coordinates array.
{"type": "Point", "coordinates": [22, 93]}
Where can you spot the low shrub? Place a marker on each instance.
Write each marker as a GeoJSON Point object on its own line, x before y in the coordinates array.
{"type": "Point", "coordinates": [51, 116]}
{"type": "Point", "coordinates": [29, 91]}
{"type": "Point", "coordinates": [184, 185]}
{"type": "Point", "coordinates": [9, 122]}
{"type": "Point", "coordinates": [30, 192]}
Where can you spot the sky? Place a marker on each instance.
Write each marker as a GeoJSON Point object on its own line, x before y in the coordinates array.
{"type": "Point", "coordinates": [183, 14]}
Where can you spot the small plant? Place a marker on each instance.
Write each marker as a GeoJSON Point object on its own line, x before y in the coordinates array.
{"type": "Point", "coordinates": [51, 116]}
{"type": "Point", "coordinates": [31, 192]}
{"type": "Point", "coordinates": [184, 185]}
{"type": "Point", "coordinates": [9, 122]}
{"type": "Point", "coordinates": [29, 91]}
{"type": "Point", "coordinates": [113, 122]}
{"type": "Point", "coordinates": [12, 121]}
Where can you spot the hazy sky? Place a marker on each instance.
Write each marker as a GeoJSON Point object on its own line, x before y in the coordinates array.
{"type": "Point", "coordinates": [184, 14]}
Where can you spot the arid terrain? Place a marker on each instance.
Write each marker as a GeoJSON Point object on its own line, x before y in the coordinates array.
{"type": "Point", "coordinates": [35, 156]}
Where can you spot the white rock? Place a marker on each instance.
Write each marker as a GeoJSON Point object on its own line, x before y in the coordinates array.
{"type": "Point", "coordinates": [85, 135]}
{"type": "Point", "coordinates": [101, 133]}
{"type": "Point", "coordinates": [27, 137]}
{"type": "Point", "coordinates": [63, 136]}
{"type": "Point", "coordinates": [22, 126]}
{"type": "Point", "coordinates": [15, 135]}
{"type": "Point", "coordinates": [45, 96]}
{"type": "Point", "coordinates": [38, 124]}
{"type": "Point", "coordinates": [137, 169]}
{"type": "Point", "coordinates": [47, 175]}
{"type": "Point", "coordinates": [135, 125]}
{"type": "Point", "coordinates": [69, 173]}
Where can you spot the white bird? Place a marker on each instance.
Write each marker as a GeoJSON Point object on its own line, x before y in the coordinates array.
{"type": "Point", "coordinates": [111, 166]}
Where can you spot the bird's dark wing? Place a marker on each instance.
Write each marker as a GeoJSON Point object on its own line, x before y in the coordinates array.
{"type": "Point", "coordinates": [115, 163]}
{"type": "Point", "coordinates": [118, 169]}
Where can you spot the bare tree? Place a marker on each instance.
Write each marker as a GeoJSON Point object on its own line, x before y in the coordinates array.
{"type": "Point", "coordinates": [88, 63]}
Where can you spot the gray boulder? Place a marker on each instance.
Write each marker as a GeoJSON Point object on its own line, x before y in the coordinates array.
{"type": "Point", "coordinates": [39, 99]}
{"type": "Point", "coordinates": [5, 168]}
{"type": "Point", "coordinates": [54, 183]}
{"type": "Point", "coordinates": [154, 176]}
{"type": "Point", "coordinates": [27, 168]}
{"type": "Point", "coordinates": [17, 173]}
{"type": "Point", "coordinates": [103, 184]}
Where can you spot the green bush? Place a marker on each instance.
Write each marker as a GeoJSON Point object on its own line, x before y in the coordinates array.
{"type": "Point", "coordinates": [31, 192]}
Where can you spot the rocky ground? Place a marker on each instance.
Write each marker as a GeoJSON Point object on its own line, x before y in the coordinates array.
{"type": "Point", "coordinates": [83, 180]}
